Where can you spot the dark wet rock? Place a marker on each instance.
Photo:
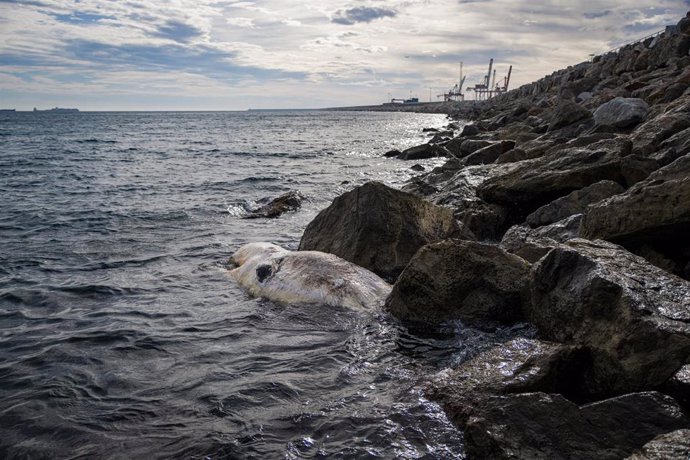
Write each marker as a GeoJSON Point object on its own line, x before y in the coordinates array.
{"type": "Point", "coordinates": [441, 137]}
{"type": "Point", "coordinates": [469, 146]}
{"type": "Point", "coordinates": [621, 113]}
{"type": "Point", "coordinates": [378, 228]}
{"type": "Point", "coordinates": [548, 426]}
{"type": "Point", "coordinates": [518, 366]}
{"type": "Point", "coordinates": [534, 243]}
{"type": "Point", "coordinates": [417, 167]}
{"type": "Point", "coordinates": [633, 316]}
{"type": "Point", "coordinates": [429, 130]}
{"type": "Point", "coordinates": [574, 203]}
{"type": "Point", "coordinates": [476, 283]}
{"type": "Point", "coordinates": [568, 112]}
{"type": "Point", "coordinates": [290, 201]}
{"type": "Point", "coordinates": [678, 387]}
{"type": "Point", "coordinates": [490, 153]}
{"type": "Point", "coordinates": [636, 168]}
{"type": "Point", "coordinates": [424, 151]}
{"type": "Point", "coordinates": [469, 130]}
{"type": "Point", "coordinates": [669, 446]}
{"type": "Point", "coordinates": [532, 184]}
{"type": "Point", "coordinates": [392, 153]}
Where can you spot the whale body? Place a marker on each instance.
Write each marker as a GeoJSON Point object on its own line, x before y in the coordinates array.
{"type": "Point", "coordinates": [267, 270]}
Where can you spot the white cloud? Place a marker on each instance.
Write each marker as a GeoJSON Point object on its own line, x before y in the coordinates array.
{"type": "Point", "coordinates": [367, 48]}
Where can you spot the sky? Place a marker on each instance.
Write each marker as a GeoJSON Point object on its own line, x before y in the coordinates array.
{"type": "Point", "coordinates": [235, 55]}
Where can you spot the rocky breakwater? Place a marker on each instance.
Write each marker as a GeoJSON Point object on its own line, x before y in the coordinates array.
{"type": "Point", "coordinates": [564, 204]}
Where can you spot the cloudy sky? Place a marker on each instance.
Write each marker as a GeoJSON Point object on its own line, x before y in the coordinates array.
{"type": "Point", "coordinates": [234, 55]}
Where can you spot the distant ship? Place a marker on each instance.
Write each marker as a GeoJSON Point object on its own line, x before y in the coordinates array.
{"type": "Point", "coordinates": [8, 110]}
{"type": "Point", "coordinates": [56, 109]}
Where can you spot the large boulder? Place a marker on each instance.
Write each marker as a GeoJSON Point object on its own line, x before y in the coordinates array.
{"type": "Point", "coordinates": [518, 366]}
{"type": "Point", "coordinates": [648, 137]}
{"type": "Point", "coordinates": [548, 426]}
{"type": "Point", "coordinates": [532, 184]}
{"type": "Point", "coordinates": [669, 446]}
{"type": "Point", "coordinates": [633, 316]}
{"type": "Point", "coordinates": [476, 283]}
{"type": "Point", "coordinates": [566, 113]}
{"type": "Point", "coordinates": [574, 203]}
{"type": "Point", "coordinates": [678, 387]}
{"type": "Point", "coordinates": [378, 228]}
{"type": "Point", "coordinates": [621, 112]}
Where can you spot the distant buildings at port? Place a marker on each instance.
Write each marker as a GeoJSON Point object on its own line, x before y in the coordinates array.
{"type": "Point", "coordinates": [54, 109]}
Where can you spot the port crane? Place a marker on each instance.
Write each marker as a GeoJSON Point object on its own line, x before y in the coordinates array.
{"type": "Point", "coordinates": [455, 93]}
{"type": "Point", "coordinates": [488, 87]}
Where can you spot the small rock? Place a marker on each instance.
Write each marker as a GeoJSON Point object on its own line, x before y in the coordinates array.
{"type": "Point", "coordinates": [289, 201]}
{"type": "Point", "coordinates": [422, 152]}
{"type": "Point", "coordinates": [490, 153]}
{"type": "Point", "coordinates": [392, 153]}
{"type": "Point", "coordinates": [417, 167]}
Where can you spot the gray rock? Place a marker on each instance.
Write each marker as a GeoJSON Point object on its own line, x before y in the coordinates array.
{"type": "Point", "coordinates": [549, 427]}
{"type": "Point", "coordinates": [392, 153]}
{"type": "Point", "coordinates": [649, 135]}
{"type": "Point", "coordinates": [621, 113]}
{"type": "Point", "coordinates": [469, 130]}
{"type": "Point", "coordinates": [633, 316]}
{"type": "Point", "coordinates": [534, 243]}
{"type": "Point", "coordinates": [669, 446]}
{"type": "Point", "coordinates": [476, 283]}
{"type": "Point", "coordinates": [568, 112]}
{"type": "Point", "coordinates": [574, 203]}
{"type": "Point", "coordinates": [378, 228]}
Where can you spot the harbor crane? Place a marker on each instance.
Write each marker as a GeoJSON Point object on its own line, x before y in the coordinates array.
{"type": "Point", "coordinates": [488, 87]}
{"type": "Point", "coordinates": [455, 93]}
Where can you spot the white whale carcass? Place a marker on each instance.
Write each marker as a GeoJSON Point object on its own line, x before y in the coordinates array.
{"type": "Point", "coordinates": [267, 270]}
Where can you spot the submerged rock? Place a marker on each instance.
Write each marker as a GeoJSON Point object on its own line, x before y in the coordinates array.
{"type": "Point", "coordinates": [378, 228]}
{"type": "Point", "coordinates": [289, 201]}
{"type": "Point", "coordinates": [632, 316]}
{"type": "Point", "coordinates": [479, 284]}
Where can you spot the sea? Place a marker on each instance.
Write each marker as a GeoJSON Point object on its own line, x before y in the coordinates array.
{"type": "Point", "coordinates": [121, 334]}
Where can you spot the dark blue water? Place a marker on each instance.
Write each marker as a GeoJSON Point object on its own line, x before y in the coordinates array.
{"type": "Point", "coordinates": [121, 335]}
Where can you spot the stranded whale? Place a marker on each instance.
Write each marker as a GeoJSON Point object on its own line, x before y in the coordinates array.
{"type": "Point", "coordinates": [267, 270]}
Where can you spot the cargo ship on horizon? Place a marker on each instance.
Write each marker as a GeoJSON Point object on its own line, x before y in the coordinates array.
{"type": "Point", "coordinates": [56, 109]}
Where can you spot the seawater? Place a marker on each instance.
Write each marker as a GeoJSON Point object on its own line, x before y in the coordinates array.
{"type": "Point", "coordinates": [121, 335]}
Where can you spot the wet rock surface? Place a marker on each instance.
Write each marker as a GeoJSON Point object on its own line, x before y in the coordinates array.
{"type": "Point", "coordinates": [477, 283]}
{"type": "Point", "coordinates": [549, 426]}
{"type": "Point", "coordinates": [670, 446]}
